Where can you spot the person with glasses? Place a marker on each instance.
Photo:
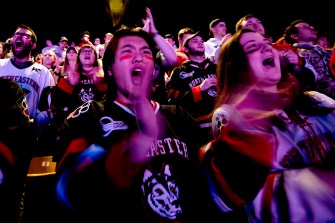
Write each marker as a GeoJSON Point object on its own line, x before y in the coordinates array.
{"type": "Point", "coordinates": [32, 78]}
{"type": "Point", "coordinates": [81, 80]}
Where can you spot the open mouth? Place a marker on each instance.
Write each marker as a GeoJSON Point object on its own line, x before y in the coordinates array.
{"type": "Point", "coordinates": [136, 77]}
{"type": "Point", "coordinates": [269, 62]}
{"type": "Point", "coordinates": [136, 72]}
{"type": "Point", "coordinates": [18, 44]}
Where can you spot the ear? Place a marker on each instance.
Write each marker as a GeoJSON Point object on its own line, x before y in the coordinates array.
{"type": "Point", "coordinates": [185, 49]}
{"type": "Point", "coordinates": [33, 46]}
{"type": "Point", "coordinates": [294, 36]}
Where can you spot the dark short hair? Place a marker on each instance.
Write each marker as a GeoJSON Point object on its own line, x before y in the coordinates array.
{"type": "Point", "coordinates": [184, 31]}
{"type": "Point", "coordinates": [238, 25]}
{"type": "Point", "coordinates": [85, 33]}
{"type": "Point", "coordinates": [291, 29]}
{"type": "Point", "coordinates": [109, 54]}
{"type": "Point", "coordinates": [33, 34]}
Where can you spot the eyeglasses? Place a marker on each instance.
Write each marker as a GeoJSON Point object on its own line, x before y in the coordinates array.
{"type": "Point", "coordinates": [86, 51]}
{"type": "Point", "coordinates": [24, 35]}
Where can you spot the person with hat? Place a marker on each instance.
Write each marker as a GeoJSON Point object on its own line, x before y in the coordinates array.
{"type": "Point", "coordinates": [193, 84]}
{"type": "Point", "coordinates": [218, 35]}
{"type": "Point", "coordinates": [183, 33]}
{"type": "Point", "coordinates": [60, 50]}
{"type": "Point", "coordinates": [170, 39]}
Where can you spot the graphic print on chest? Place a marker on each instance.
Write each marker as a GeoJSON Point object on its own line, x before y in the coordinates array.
{"type": "Point", "coordinates": [161, 192]}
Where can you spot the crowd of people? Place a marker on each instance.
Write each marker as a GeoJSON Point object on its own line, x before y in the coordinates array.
{"type": "Point", "coordinates": [225, 127]}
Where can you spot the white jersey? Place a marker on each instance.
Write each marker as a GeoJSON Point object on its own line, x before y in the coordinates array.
{"type": "Point", "coordinates": [32, 80]}
{"type": "Point", "coordinates": [211, 45]}
{"type": "Point", "coordinates": [298, 148]}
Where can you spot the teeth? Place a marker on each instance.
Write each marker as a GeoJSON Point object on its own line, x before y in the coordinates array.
{"type": "Point", "coordinates": [136, 71]}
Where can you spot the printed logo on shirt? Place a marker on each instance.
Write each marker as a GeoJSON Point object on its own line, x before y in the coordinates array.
{"type": "Point", "coordinates": [108, 125]}
{"type": "Point", "coordinates": [212, 92]}
{"type": "Point", "coordinates": [161, 192]}
{"type": "Point", "coordinates": [36, 69]}
{"type": "Point", "coordinates": [24, 105]}
{"type": "Point", "coordinates": [168, 146]}
{"type": "Point", "coordinates": [24, 80]}
{"type": "Point", "coordinates": [82, 109]}
{"type": "Point", "coordinates": [86, 94]}
{"type": "Point", "coordinates": [184, 75]}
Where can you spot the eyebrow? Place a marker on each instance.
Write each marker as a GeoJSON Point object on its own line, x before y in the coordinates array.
{"type": "Point", "coordinates": [248, 43]}
{"type": "Point", "coordinates": [132, 46]}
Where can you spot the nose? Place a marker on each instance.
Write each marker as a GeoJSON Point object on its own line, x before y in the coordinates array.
{"type": "Point", "coordinates": [255, 26]}
{"type": "Point", "coordinates": [138, 58]}
{"type": "Point", "coordinates": [267, 47]}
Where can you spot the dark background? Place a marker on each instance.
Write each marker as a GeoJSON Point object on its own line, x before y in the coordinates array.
{"type": "Point", "coordinates": [53, 19]}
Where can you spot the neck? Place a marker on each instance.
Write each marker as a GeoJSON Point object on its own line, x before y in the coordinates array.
{"type": "Point", "coordinates": [22, 63]}
{"type": "Point", "coordinates": [218, 37]}
{"type": "Point", "coordinates": [49, 66]}
{"type": "Point", "coordinates": [72, 62]}
{"type": "Point", "coordinates": [87, 69]}
{"type": "Point", "coordinates": [21, 60]}
{"type": "Point", "coordinates": [197, 58]}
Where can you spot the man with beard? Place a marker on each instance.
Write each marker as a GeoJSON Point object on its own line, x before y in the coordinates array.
{"type": "Point", "coordinates": [193, 84]}
{"type": "Point", "coordinates": [31, 77]}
